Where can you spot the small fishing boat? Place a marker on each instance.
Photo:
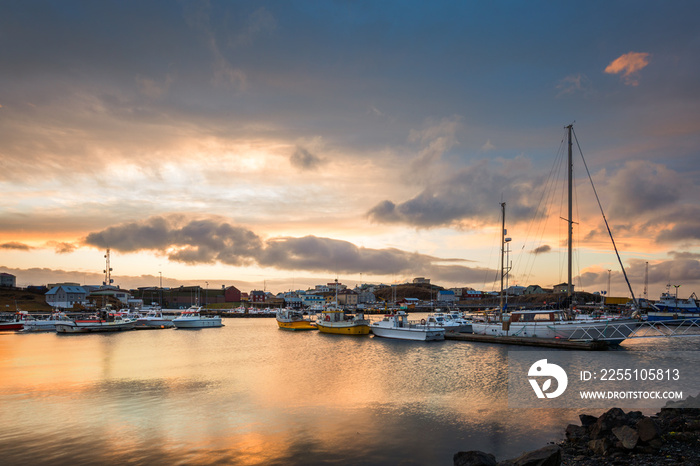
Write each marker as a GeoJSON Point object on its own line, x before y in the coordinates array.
{"type": "Point", "coordinates": [193, 318]}
{"type": "Point", "coordinates": [16, 322]}
{"type": "Point", "coordinates": [153, 319]}
{"type": "Point", "coordinates": [45, 325]}
{"type": "Point", "coordinates": [104, 322]}
{"type": "Point", "coordinates": [291, 319]}
{"type": "Point", "coordinates": [669, 307]}
{"type": "Point", "coordinates": [398, 326]}
{"type": "Point", "coordinates": [337, 321]}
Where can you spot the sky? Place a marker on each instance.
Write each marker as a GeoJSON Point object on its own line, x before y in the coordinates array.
{"type": "Point", "coordinates": [278, 145]}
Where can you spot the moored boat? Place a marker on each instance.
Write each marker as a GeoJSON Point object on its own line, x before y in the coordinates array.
{"type": "Point", "coordinates": [339, 322]}
{"type": "Point", "coordinates": [16, 322]}
{"type": "Point", "coordinates": [669, 307]}
{"type": "Point", "coordinates": [290, 319]}
{"type": "Point", "coordinates": [398, 326]}
{"type": "Point", "coordinates": [105, 322]}
{"type": "Point", "coordinates": [193, 318]}
{"type": "Point", "coordinates": [549, 323]}
{"type": "Point", "coordinates": [154, 319]}
{"type": "Point", "coordinates": [45, 325]}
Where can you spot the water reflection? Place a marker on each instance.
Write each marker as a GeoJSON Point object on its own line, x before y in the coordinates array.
{"type": "Point", "coordinates": [249, 393]}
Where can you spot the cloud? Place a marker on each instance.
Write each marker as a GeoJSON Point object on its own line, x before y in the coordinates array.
{"type": "Point", "coordinates": [62, 247]}
{"type": "Point", "coordinates": [573, 84]}
{"type": "Point", "coordinates": [642, 186]}
{"type": "Point", "coordinates": [629, 65]}
{"type": "Point", "coordinates": [305, 160]}
{"type": "Point", "coordinates": [542, 249]}
{"type": "Point", "coordinates": [16, 246]}
{"type": "Point", "coordinates": [488, 146]}
{"type": "Point", "coordinates": [471, 193]}
{"type": "Point", "coordinates": [215, 240]}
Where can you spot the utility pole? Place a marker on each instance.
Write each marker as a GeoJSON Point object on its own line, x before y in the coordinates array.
{"type": "Point", "coordinates": [646, 282]}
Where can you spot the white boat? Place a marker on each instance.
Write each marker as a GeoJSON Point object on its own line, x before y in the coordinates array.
{"type": "Point", "coordinates": [192, 318]}
{"type": "Point", "coordinates": [547, 323]}
{"type": "Point", "coordinates": [669, 307]}
{"type": "Point", "coordinates": [555, 323]}
{"type": "Point", "coordinates": [154, 319]}
{"type": "Point", "coordinates": [450, 321]}
{"type": "Point", "coordinates": [398, 326]}
{"type": "Point", "coordinates": [105, 322]}
{"type": "Point", "coordinates": [45, 325]}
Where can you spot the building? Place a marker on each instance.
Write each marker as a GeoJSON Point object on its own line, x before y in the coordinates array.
{"type": "Point", "coordinates": [515, 290]}
{"type": "Point", "coordinates": [421, 280]}
{"type": "Point", "coordinates": [256, 296]}
{"type": "Point", "coordinates": [472, 294]}
{"type": "Point", "coordinates": [65, 296]}
{"type": "Point", "coordinates": [232, 295]}
{"type": "Point", "coordinates": [347, 298]}
{"type": "Point", "coordinates": [311, 300]}
{"type": "Point", "coordinates": [562, 288]}
{"type": "Point", "coordinates": [8, 280]}
{"type": "Point", "coordinates": [534, 289]}
{"type": "Point", "coordinates": [446, 296]}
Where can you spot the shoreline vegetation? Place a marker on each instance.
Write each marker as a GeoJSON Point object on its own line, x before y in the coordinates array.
{"type": "Point", "coordinates": [671, 436]}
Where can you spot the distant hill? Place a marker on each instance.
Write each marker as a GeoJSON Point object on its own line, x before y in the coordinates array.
{"type": "Point", "coordinates": [25, 300]}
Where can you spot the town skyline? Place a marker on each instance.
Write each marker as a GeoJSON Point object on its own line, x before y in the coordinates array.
{"type": "Point", "coordinates": [295, 143]}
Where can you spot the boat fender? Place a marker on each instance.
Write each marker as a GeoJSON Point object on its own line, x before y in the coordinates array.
{"type": "Point", "coordinates": [328, 318]}
{"type": "Point", "coordinates": [422, 321]}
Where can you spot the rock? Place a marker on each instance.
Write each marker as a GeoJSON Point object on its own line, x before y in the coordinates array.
{"type": "Point", "coordinates": [647, 429]}
{"type": "Point", "coordinates": [600, 446]}
{"type": "Point", "coordinates": [587, 420]}
{"type": "Point", "coordinates": [474, 458]}
{"type": "Point", "coordinates": [547, 456]}
{"type": "Point", "coordinates": [576, 433]}
{"type": "Point", "coordinates": [627, 436]}
{"type": "Point", "coordinates": [614, 417]}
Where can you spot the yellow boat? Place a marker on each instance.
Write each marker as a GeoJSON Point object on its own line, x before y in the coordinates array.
{"type": "Point", "coordinates": [290, 319]}
{"type": "Point", "coordinates": [338, 322]}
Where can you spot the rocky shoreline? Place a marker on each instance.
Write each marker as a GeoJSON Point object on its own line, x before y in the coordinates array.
{"type": "Point", "coordinates": [672, 436]}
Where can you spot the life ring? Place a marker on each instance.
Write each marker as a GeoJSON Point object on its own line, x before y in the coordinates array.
{"type": "Point", "coordinates": [328, 318]}
{"type": "Point", "coordinates": [422, 321]}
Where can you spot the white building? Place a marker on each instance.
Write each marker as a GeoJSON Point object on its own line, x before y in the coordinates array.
{"type": "Point", "coordinates": [65, 296]}
{"type": "Point", "coordinates": [446, 296]}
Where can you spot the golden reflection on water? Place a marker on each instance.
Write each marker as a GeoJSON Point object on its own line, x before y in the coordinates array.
{"type": "Point", "coordinates": [249, 393]}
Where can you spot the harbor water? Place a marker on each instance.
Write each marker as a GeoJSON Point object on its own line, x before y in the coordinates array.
{"type": "Point", "coordinates": [250, 393]}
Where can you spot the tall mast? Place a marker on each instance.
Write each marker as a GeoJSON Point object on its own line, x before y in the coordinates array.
{"type": "Point", "coordinates": [503, 246]}
{"type": "Point", "coordinates": [570, 221]}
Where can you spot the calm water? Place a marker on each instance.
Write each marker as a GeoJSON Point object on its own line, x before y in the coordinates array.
{"type": "Point", "coordinates": [250, 393]}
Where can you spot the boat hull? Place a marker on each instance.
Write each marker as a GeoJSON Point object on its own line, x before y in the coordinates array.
{"type": "Point", "coordinates": [339, 328]}
{"type": "Point", "coordinates": [296, 325]}
{"type": "Point", "coordinates": [93, 327]}
{"type": "Point", "coordinates": [613, 332]}
{"type": "Point", "coordinates": [198, 323]}
{"type": "Point", "coordinates": [414, 334]}
{"type": "Point", "coordinates": [11, 326]}
{"type": "Point", "coordinates": [142, 324]}
{"type": "Point", "coordinates": [665, 316]}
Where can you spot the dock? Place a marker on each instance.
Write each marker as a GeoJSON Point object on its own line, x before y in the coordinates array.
{"type": "Point", "coordinates": [529, 341]}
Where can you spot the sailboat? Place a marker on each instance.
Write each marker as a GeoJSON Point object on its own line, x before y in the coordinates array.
{"type": "Point", "coordinates": [562, 323]}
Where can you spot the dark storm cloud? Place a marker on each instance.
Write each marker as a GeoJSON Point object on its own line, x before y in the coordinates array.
{"type": "Point", "coordinates": [305, 160]}
{"type": "Point", "coordinates": [16, 246]}
{"type": "Point", "coordinates": [542, 249]}
{"type": "Point", "coordinates": [207, 241]}
{"type": "Point", "coordinates": [471, 193]}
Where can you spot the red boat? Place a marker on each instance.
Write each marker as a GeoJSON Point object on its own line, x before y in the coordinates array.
{"type": "Point", "coordinates": [17, 323]}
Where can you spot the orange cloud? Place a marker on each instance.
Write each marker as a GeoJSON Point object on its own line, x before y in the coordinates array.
{"type": "Point", "coordinates": [629, 65]}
